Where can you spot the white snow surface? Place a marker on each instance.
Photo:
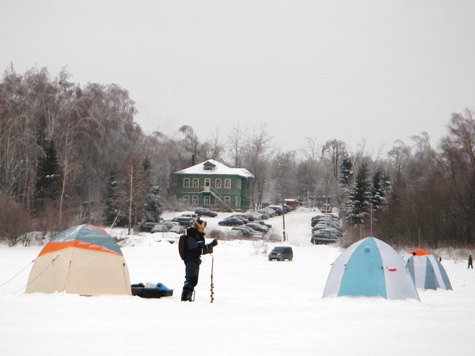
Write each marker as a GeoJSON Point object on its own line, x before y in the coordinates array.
{"type": "Point", "coordinates": [260, 307]}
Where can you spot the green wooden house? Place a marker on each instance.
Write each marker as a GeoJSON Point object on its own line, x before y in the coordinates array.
{"type": "Point", "coordinates": [213, 185]}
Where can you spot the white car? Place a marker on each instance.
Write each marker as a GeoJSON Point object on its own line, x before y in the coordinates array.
{"type": "Point", "coordinates": [190, 215]}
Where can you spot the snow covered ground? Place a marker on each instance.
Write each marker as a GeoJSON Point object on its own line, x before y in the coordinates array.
{"type": "Point", "coordinates": [260, 307]}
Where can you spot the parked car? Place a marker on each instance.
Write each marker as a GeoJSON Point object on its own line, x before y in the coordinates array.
{"type": "Point", "coordinates": [328, 215]}
{"type": "Point", "coordinates": [263, 223]}
{"type": "Point", "coordinates": [281, 253]}
{"type": "Point", "coordinates": [240, 216]}
{"type": "Point", "coordinates": [245, 232]}
{"type": "Point", "coordinates": [270, 211]}
{"type": "Point", "coordinates": [325, 225]}
{"type": "Point", "coordinates": [230, 221]}
{"type": "Point", "coordinates": [190, 215]}
{"type": "Point", "coordinates": [177, 229]}
{"type": "Point", "coordinates": [206, 212]}
{"type": "Point", "coordinates": [264, 213]}
{"type": "Point", "coordinates": [183, 221]}
{"type": "Point", "coordinates": [324, 236]}
{"type": "Point", "coordinates": [286, 208]}
{"type": "Point", "coordinates": [325, 217]}
{"type": "Point", "coordinates": [170, 223]}
{"type": "Point", "coordinates": [146, 226]}
{"type": "Point", "coordinates": [171, 226]}
{"type": "Point", "coordinates": [250, 217]}
{"type": "Point", "coordinates": [257, 227]}
{"type": "Point", "coordinates": [278, 209]}
{"type": "Point", "coordinates": [256, 215]}
{"type": "Point", "coordinates": [168, 226]}
{"type": "Point", "coordinates": [160, 227]}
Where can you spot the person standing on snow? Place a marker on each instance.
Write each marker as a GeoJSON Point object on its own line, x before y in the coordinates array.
{"type": "Point", "coordinates": [470, 262]}
{"type": "Point", "coordinates": [194, 247]}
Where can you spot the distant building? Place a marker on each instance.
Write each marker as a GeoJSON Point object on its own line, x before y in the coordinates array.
{"type": "Point", "coordinates": [212, 184]}
{"type": "Point", "coordinates": [293, 203]}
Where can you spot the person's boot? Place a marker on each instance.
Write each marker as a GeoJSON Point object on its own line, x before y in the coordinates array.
{"type": "Point", "coordinates": [186, 295]}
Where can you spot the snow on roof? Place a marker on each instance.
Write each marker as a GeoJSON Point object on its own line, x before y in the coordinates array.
{"type": "Point", "coordinates": [219, 168]}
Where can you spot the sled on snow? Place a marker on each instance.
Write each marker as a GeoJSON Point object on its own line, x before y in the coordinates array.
{"type": "Point", "coordinates": [150, 290]}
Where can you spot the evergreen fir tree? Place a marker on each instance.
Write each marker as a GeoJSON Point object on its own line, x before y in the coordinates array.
{"type": "Point", "coordinates": [377, 193]}
{"type": "Point", "coordinates": [359, 200]}
{"type": "Point", "coordinates": [152, 206]}
{"type": "Point", "coordinates": [379, 190]}
{"type": "Point", "coordinates": [112, 212]}
{"type": "Point", "coordinates": [48, 177]}
{"type": "Point", "coordinates": [346, 177]}
{"type": "Point", "coordinates": [345, 181]}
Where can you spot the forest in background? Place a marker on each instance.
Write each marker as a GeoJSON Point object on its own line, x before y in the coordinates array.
{"type": "Point", "coordinates": [72, 154]}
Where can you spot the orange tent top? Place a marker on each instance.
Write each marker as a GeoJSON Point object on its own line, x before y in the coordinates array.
{"type": "Point", "coordinates": [419, 252]}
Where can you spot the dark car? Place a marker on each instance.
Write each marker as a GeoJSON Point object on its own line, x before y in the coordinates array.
{"type": "Point", "coordinates": [240, 216]}
{"type": "Point", "coordinates": [184, 221]}
{"type": "Point", "coordinates": [258, 227]}
{"type": "Point", "coordinates": [146, 226]}
{"type": "Point", "coordinates": [324, 236]}
{"type": "Point", "coordinates": [231, 222]}
{"type": "Point", "coordinates": [278, 210]}
{"type": "Point", "coordinates": [249, 216]}
{"type": "Point", "coordinates": [321, 226]}
{"type": "Point", "coordinates": [260, 222]}
{"type": "Point", "coordinates": [264, 213]}
{"type": "Point", "coordinates": [206, 212]}
{"type": "Point", "coordinates": [329, 222]}
{"type": "Point", "coordinates": [324, 217]}
{"type": "Point", "coordinates": [245, 232]}
{"type": "Point", "coordinates": [159, 228]}
{"type": "Point", "coordinates": [281, 253]}
{"type": "Point", "coordinates": [168, 226]}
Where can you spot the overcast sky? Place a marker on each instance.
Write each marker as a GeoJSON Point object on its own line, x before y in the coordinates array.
{"type": "Point", "coordinates": [352, 70]}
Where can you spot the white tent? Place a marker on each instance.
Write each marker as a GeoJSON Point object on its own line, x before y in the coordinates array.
{"type": "Point", "coordinates": [370, 267]}
{"type": "Point", "coordinates": [83, 260]}
{"type": "Point", "coordinates": [426, 271]}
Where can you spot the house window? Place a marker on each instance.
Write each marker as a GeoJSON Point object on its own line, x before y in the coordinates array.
{"type": "Point", "coordinates": [186, 199]}
{"type": "Point", "coordinates": [196, 182]}
{"type": "Point", "coordinates": [217, 183]}
{"type": "Point", "coordinates": [206, 200]}
{"type": "Point", "coordinates": [227, 200]}
{"type": "Point", "coordinates": [194, 199]}
{"type": "Point", "coordinates": [227, 183]}
{"type": "Point", "coordinates": [238, 201]}
{"type": "Point", "coordinates": [207, 182]}
{"type": "Point", "coordinates": [186, 182]}
{"type": "Point", "coordinates": [239, 184]}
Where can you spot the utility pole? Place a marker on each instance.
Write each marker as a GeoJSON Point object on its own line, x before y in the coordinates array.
{"type": "Point", "coordinates": [371, 221]}
{"type": "Point", "coordinates": [284, 238]}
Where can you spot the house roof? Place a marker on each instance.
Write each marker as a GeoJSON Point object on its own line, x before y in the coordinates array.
{"type": "Point", "coordinates": [219, 169]}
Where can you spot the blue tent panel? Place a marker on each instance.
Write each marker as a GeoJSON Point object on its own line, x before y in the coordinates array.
{"type": "Point", "coordinates": [444, 275]}
{"type": "Point", "coordinates": [364, 274]}
{"type": "Point", "coordinates": [410, 267]}
{"type": "Point", "coordinates": [430, 280]}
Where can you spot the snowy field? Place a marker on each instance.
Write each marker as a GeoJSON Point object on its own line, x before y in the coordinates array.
{"type": "Point", "coordinates": [260, 307]}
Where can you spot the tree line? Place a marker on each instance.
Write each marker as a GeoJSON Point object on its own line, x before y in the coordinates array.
{"type": "Point", "coordinates": [72, 154]}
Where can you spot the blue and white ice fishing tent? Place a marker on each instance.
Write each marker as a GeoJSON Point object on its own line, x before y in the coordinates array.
{"type": "Point", "coordinates": [426, 271]}
{"type": "Point", "coordinates": [370, 267]}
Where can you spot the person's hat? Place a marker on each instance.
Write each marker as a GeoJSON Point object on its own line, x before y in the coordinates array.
{"type": "Point", "coordinates": [200, 224]}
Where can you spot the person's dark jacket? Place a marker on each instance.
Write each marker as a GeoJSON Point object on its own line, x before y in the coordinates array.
{"type": "Point", "coordinates": [194, 244]}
